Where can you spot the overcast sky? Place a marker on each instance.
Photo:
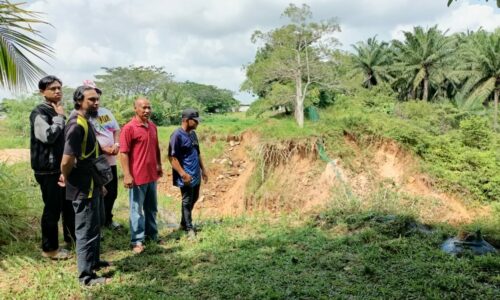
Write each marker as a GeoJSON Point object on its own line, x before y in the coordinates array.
{"type": "Point", "coordinates": [208, 41]}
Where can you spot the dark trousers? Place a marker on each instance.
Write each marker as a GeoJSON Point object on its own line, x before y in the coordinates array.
{"type": "Point", "coordinates": [88, 236]}
{"type": "Point", "coordinates": [190, 195]}
{"type": "Point", "coordinates": [54, 205]}
{"type": "Point", "coordinates": [109, 199]}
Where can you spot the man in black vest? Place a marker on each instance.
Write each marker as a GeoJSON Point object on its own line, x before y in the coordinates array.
{"type": "Point", "coordinates": [47, 143]}
{"type": "Point", "coordinates": [80, 148]}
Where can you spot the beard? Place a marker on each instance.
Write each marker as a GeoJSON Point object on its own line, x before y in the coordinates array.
{"type": "Point", "coordinates": [92, 113]}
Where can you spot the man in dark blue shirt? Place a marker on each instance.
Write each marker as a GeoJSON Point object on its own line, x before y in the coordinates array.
{"type": "Point", "coordinates": [187, 166]}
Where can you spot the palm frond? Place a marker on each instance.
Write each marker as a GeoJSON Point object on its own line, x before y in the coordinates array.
{"type": "Point", "coordinates": [18, 40]}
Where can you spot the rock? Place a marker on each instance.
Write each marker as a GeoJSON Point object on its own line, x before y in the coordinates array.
{"type": "Point", "coordinates": [220, 177]}
{"type": "Point", "coordinates": [223, 161]}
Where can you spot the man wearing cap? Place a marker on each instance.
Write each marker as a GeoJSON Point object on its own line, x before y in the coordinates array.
{"type": "Point", "coordinates": [141, 164]}
{"type": "Point", "coordinates": [187, 166]}
{"type": "Point", "coordinates": [108, 136]}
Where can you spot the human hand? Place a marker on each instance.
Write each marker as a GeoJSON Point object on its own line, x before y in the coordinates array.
{"type": "Point", "coordinates": [128, 181]}
{"type": "Point", "coordinates": [62, 181]}
{"type": "Point", "coordinates": [186, 178]}
{"type": "Point", "coordinates": [204, 176]}
{"type": "Point", "coordinates": [159, 170]}
{"type": "Point", "coordinates": [58, 108]}
{"type": "Point", "coordinates": [116, 149]}
{"type": "Point", "coordinates": [104, 190]}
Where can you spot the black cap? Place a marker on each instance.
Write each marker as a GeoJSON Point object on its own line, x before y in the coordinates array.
{"type": "Point", "coordinates": [190, 113]}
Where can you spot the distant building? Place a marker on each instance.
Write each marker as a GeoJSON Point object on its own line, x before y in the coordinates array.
{"type": "Point", "coordinates": [241, 108]}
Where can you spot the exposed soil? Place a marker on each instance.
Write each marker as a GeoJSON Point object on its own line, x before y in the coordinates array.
{"type": "Point", "coordinates": [12, 156]}
{"type": "Point", "coordinates": [305, 184]}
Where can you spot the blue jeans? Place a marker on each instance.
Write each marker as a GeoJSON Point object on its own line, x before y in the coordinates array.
{"type": "Point", "coordinates": [143, 209]}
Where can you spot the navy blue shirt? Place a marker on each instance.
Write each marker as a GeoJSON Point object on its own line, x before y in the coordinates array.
{"type": "Point", "coordinates": [185, 147]}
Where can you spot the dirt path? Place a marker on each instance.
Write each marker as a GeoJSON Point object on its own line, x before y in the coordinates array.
{"type": "Point", "coordinates": [12, 156]}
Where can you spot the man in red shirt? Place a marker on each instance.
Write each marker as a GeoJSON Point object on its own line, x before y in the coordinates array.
{"type": "Point", "coordinates": [141, 164]}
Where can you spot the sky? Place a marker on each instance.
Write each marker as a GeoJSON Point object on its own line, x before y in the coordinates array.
{"type": "Point", "coordinates": [208, 41]}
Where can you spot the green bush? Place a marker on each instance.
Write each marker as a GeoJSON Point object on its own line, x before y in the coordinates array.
{"type": "Point", "coordinates": [476, 132]}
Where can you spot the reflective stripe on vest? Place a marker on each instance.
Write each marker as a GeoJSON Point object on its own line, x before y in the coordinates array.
{"type": "Point", "coordinates": [85, 125]}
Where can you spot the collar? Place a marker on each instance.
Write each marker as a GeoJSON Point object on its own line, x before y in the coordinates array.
{"type": "Point", "coordinates": [140, 124]}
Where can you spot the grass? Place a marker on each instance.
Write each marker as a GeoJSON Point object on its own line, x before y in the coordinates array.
{"type": "Point", "coordinates": [332, 255]}
{"type": "Point", "coordinates": [353, 249]}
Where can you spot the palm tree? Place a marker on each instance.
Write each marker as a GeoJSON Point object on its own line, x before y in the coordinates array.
{"type": "Point", "coordinates": [480, 65]}
{"type": "Point", "coordinates": [422, 59]}
{"type": "Point", "coordinates": [372, 59]}
{"type": "Point", "coordinates": [18, 40]}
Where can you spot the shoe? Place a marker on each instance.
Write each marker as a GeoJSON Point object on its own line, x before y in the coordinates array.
{"type": "Point", "coordinates": [138, 248]}
{"type": "Point", "coordinates": [98, 281]}
{"type": "Point", "coordinates": [191, 234]}
{"type": "Point", "coordinates": [59, 254]}
{"type": "Point", "coordinates": [115, 226]}
{"type": "Point", "coordinates": [69, 246]}
{"type": "Point", "coordinates": [102, 264]}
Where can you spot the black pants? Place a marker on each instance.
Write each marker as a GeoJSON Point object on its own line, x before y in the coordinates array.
{"type": "Point", "coordinates": [190, 195]}
{"type": "Point", "coordinates": [109, 199]}
{"type": "Point", "coordinates": [54, 205]}
{"type": "Point", "coordinates": [88, 236]}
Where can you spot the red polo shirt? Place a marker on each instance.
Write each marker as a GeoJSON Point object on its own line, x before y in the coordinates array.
{"type": "Point", "coordinates": [141, 145]}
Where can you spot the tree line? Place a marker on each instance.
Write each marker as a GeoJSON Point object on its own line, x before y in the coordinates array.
{"type": "Point", "coordinates": [299, 65]}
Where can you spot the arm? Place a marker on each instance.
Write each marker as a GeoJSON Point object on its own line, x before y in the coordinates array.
{"type": "Point", "coordinates": [46, 133]}
{"type": "Point", "coordinates": [178, 168]}
{"type": "Point", "coordinates": [158, 158]}
{"type": "Point", "coordinates": [204, 174]}
{"type": "Point", "coordinates": [67, 165]}
{"type": "Point", "coordinates": [128, 180]}
{"type": "Point", "coordinates": [125, 140]}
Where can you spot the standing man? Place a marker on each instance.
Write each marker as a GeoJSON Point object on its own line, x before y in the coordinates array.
{"type": "Point", "coordinates": [187, 166]}
{"type": "Point", "coordinates": [80, 148]}
{"type": "Point", "coordinates": [46, 148]}
{"type": "Point", "coordinates": [108, 136]}
{"type": "Point", "coordinates": [141, 164]}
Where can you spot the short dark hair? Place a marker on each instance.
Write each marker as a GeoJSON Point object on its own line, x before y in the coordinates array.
{"type": "Point", "coordinates": [78, 94]}
{"type": "Point", "coordinates": [46, 81]}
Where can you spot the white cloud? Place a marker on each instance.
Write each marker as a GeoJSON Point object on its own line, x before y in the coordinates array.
{"type": "Point", "coordinates": [208, 41]}
{"type": "Point", "coordinates": [464, 17]}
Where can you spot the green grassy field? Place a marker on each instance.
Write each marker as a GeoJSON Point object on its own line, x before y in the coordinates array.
{"type": "Point", "coordinates": [347, 251]}
{"type": "Point", "coordinates": [344, 252]}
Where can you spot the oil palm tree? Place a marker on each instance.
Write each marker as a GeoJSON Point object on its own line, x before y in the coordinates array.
{"type": "Point", "coordinates": [422, 59]}
{"type": "Point", "coordinates": [480, 65]}
{"type": "Point", "coordinates": [371, 59]}
{"type": "Point", "coordinates": [19, 44]}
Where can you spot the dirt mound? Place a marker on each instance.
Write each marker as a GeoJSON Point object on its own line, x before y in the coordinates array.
{"type": "Point", "coordinates": [253, 175]}
{"type": "Point", "coordinates": [397, 169]}
{"type": "Point", "coordinates": [12, 156]}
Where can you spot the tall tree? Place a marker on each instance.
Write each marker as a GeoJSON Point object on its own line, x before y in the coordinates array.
{"type": "Point", "coordinates": [296, 53]}
{"type": "Point", "coordinates": [133, 81]}
{"type": "Point", "coordinates": [422, 59]}
{"type": "Point", "coordinates": [372, 60]}
{"type": "Point", "coordinates": [18, 40]}
{"type": "Point", "coordinates": [480, 65]}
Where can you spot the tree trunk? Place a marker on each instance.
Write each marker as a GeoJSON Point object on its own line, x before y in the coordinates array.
{"type": "Point", "coordinates": [495, 117]}
{"type": "Point", "coordinates": [425, 96]}
{"type": "Point", "coordinates": [299, 102]}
